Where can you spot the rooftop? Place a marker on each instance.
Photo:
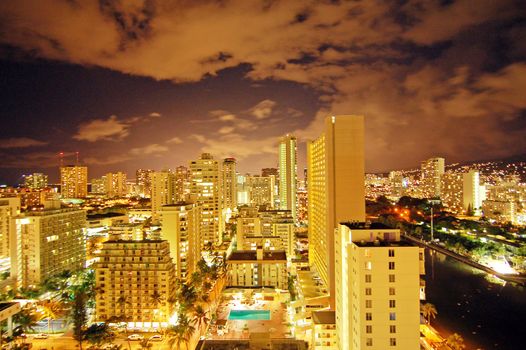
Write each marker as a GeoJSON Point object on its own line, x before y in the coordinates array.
{"type": "Point", "coordinates": [250, 255]}
{"type": "Point", "coordinates": [277, 344]}
{"type": "Point", "coordinates": [324, 317]}
{"type": "Point", "coordinates": [104, 216]}
{"type": "Point", "coordinates": [357, 225]}
{"type": "Point", "coordinates": [383, 243]}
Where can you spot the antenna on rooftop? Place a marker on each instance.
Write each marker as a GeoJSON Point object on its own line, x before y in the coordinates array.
{"type": "Point", "coordinates": [61, 156]}
{"type": "Point", "coordinates": [77, 155]}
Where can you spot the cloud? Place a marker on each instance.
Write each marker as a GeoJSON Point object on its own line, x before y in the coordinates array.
{"type": "Point", "coordinates": [137, 152]}
{"type": "Point", "coordinates": [226, 129]}
{"type": "Point", "coordinates": [102, 129]}
{"type": "Point", "coordinates": [238, 146]}
{"type": "Point", "coordinates": [20, 142]}
{"type": "Point", "coordinates": [153, 149]}
{"type": "Point", "coordinates": [174, 141]}
{"type": "Point", "coordinates": [155, 115]}
{"type": "Point", "coordinates": [263, 109]}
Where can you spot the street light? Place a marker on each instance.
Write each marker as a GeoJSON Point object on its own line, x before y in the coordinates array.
{"type": "Point", "coordinates": [432, 202]}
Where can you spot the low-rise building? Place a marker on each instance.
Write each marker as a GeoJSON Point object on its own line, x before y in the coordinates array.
{"type": "Point", "coordinates": [324, 330]}
{"type": "Point", "coordinates": [258, 268]}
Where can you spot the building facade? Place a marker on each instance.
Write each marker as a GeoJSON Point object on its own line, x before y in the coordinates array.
{"type": "Point", "coordinates": [136, 280]}
{"type": "Point", "coordinates": [336, 188]}
{"type": "Point", "coordinates": [288, 168]}
{"type": "Point", "coordinates": [258, 268]}
{"type": "Point", "coordinates": [46, 243]}
{"type": "Point", "coordinates": [431, 173]}
{"type": "Point", "coordinates": [73, 181]}
{"type": "Point", "coordinates": [377, 289]}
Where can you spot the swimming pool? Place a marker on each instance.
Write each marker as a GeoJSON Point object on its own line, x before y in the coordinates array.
{"type": "Point", "coordinates": [263, 315]}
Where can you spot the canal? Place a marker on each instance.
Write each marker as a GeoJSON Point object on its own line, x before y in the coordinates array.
{"type": "Point", "coordinates": [488, 313]}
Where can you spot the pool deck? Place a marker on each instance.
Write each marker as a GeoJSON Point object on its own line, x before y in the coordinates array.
{"type": "Point", "coordinates": [276, 326]}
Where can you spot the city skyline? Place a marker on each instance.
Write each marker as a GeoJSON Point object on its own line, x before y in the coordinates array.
{"type": "Point", "coordinates": [154, 85]}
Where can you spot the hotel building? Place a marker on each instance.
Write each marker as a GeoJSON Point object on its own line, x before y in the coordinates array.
{"type": "Point", "coordinates": [288, 174]}
{"type": "Point", "coordinates": [431, 172]}
{"type": "Point", "coordinates": [258, 268]}
{"type": "Point", "coordinates": [73, 181]}
{"type": "Point", "coordinates": [136, 280]}
{"type": "Point", "coordinates": [9, 208]}
{"type": "Point", "coordinates": [377, 289]}
{"type": "Point", "coordinates": [206, 191]}
{"type": "Point", "coordinates": [46, 243]}
{"type": "Point", "coordinates": [180, 227]}
{"type": "Point", "coordinates": [336, 188]}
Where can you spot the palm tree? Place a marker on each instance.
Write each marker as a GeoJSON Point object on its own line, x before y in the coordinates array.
{"type": "Point", "coordinates": [156, 298]}
{"type": "Point", "coordinates": [26, 319]}
{"type": "Point", "coordinates": [80, 316]}
{"type": "Point", "coordinates": [145, 344]}
{"type": "Point", "coordinates": [429, 311]}
{"type": "Point", "coordinates": [52, 310]}
{"type": "Point", "coordinates": [455, 342]}
{"type": "Point", "coordinates": [120, 319]}
{"type": "Point", "coordinates": [180, 333]}
{"type": "Point", "coordinates": [200, 318]}
{"type": "Point", "coordinates": [98, 334]}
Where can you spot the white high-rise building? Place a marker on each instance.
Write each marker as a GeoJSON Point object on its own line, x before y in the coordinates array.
{"type": "Point", "coordinates": [73, 181]}
{"type": "Point", "coordinates": [432, 171]}
{"type": "Point", "coordinates": [229, 184]}
{"type": "Point", "coordinates": [377, 289]}
{"type": "Point", "coordinates": [473, 193]}
{"type": "Point", "coordinates": [162, 191]}
{"type": "Point", "coordinates": [115, 185]}
{"type": "Point", "coordinates": [288, 173]}
{"type": "Point", "coordinates": [46, 243]}
{"type": "Point", "coordinates": [206, 191]}
{"type": "Point", "coordinates": [9, 208]}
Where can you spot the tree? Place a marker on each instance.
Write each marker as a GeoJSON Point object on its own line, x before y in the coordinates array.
{"type": "Point", "coordinates": [26, 319]}
{"type": "Point", "coordinates": [98, 334]}
{"type": "Point", "coordinates": [52, 310]}
{"type": "Point", "coordinates": [180, 333]}
{"type": "Point", "coordinates": [145, 344]}
{"type": "Point", "coordinates": [200, 318]}
{"type": "Point", "coordinates": [455, 342]}
{"type": "Point", "coordinates": [80, 316]}
{"type": "Point", "coordinates": [429, 311]}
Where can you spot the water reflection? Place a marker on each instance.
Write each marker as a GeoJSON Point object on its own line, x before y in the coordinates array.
{"type": "Point", "coordinates": [488, 312]}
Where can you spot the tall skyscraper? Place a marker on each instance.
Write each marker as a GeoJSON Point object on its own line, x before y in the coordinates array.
{"type": "Point", "coordinates": [336, 193]}
{"type": "Point", "coordinates": [162, 191]}
{"type": "Point", "coordinates": [377, 289]}
{"type": "Point", "coordinates": [432, 171]}
{"type": "Point", "coordinates": [288, 173]}
{"type": "Point", "coordinates": [229, 183]}
{"type": "Point", "coordinates": [73, 181]}
{"type": "Point", "coordinates": [9, 209]}
{"type": "Point", "coordinates": [473, 193]}
{"type": "Point", "coordinates": [206, 191]}
{"type": "Point", "coordinates": [180, 227]}
{"type": "Point", "coordinates": [46, 243]}
{"type": "Point", "coordinates": [116, 185]}
{"type": "Point", "coordinates": [35, 181]}
{"type": "Point", "coordinates": [451, 189]}
{"type": "Point", "coordinates": [142, 179]}
{"type": "Point", "coordinates": [182, 184]}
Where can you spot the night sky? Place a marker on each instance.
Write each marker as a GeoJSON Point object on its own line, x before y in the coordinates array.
{"type": "Point", "coordinates": [153, 84]}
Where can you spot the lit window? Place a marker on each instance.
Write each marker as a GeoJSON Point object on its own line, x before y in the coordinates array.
{"type": "Point", "coordinates": [392, 316]}
{"type": "Point", "coordinates": [368, 304]}
{"type": "Point", "coordinates": [392, 291]}
{"type": "Point", "coordinates": [368, 265]}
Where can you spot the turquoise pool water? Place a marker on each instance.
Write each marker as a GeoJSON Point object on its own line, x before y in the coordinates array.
{"type": "Point", "coordinates": [263, 315]}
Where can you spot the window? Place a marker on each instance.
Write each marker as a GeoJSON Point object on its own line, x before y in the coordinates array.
{"type": "Point", "coordinates": [391, 265]}
{"type": "Point", "coordinates": [368, 278]}
{"type": "Point", "coordinates": [391, 278]}
{"type": "Point", "coordinates": [368, 265]}
{"type": "Point", "coordinates": [392, 329]}
{"type": "Point", "coordinates": [368, 329]}
{"type": "Point", "coordinates": [369, 341]}
{"type": "Point", "coordinates": [392, 316]}
{"type": "Point", "coordinates": [392, 341]}
{"type": "Point", "coordinates": [368, 291]}
{"type": "Point", "coordinates": [392, 291]}
{"type": "Point", "coordinates": [368, 304]}
{"type": "Point", "coordinates": [391, 252]}
{"type": "Point", "coordinates": [392, 303]}
{"type": "Point", "coordinates": [368, 316]}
